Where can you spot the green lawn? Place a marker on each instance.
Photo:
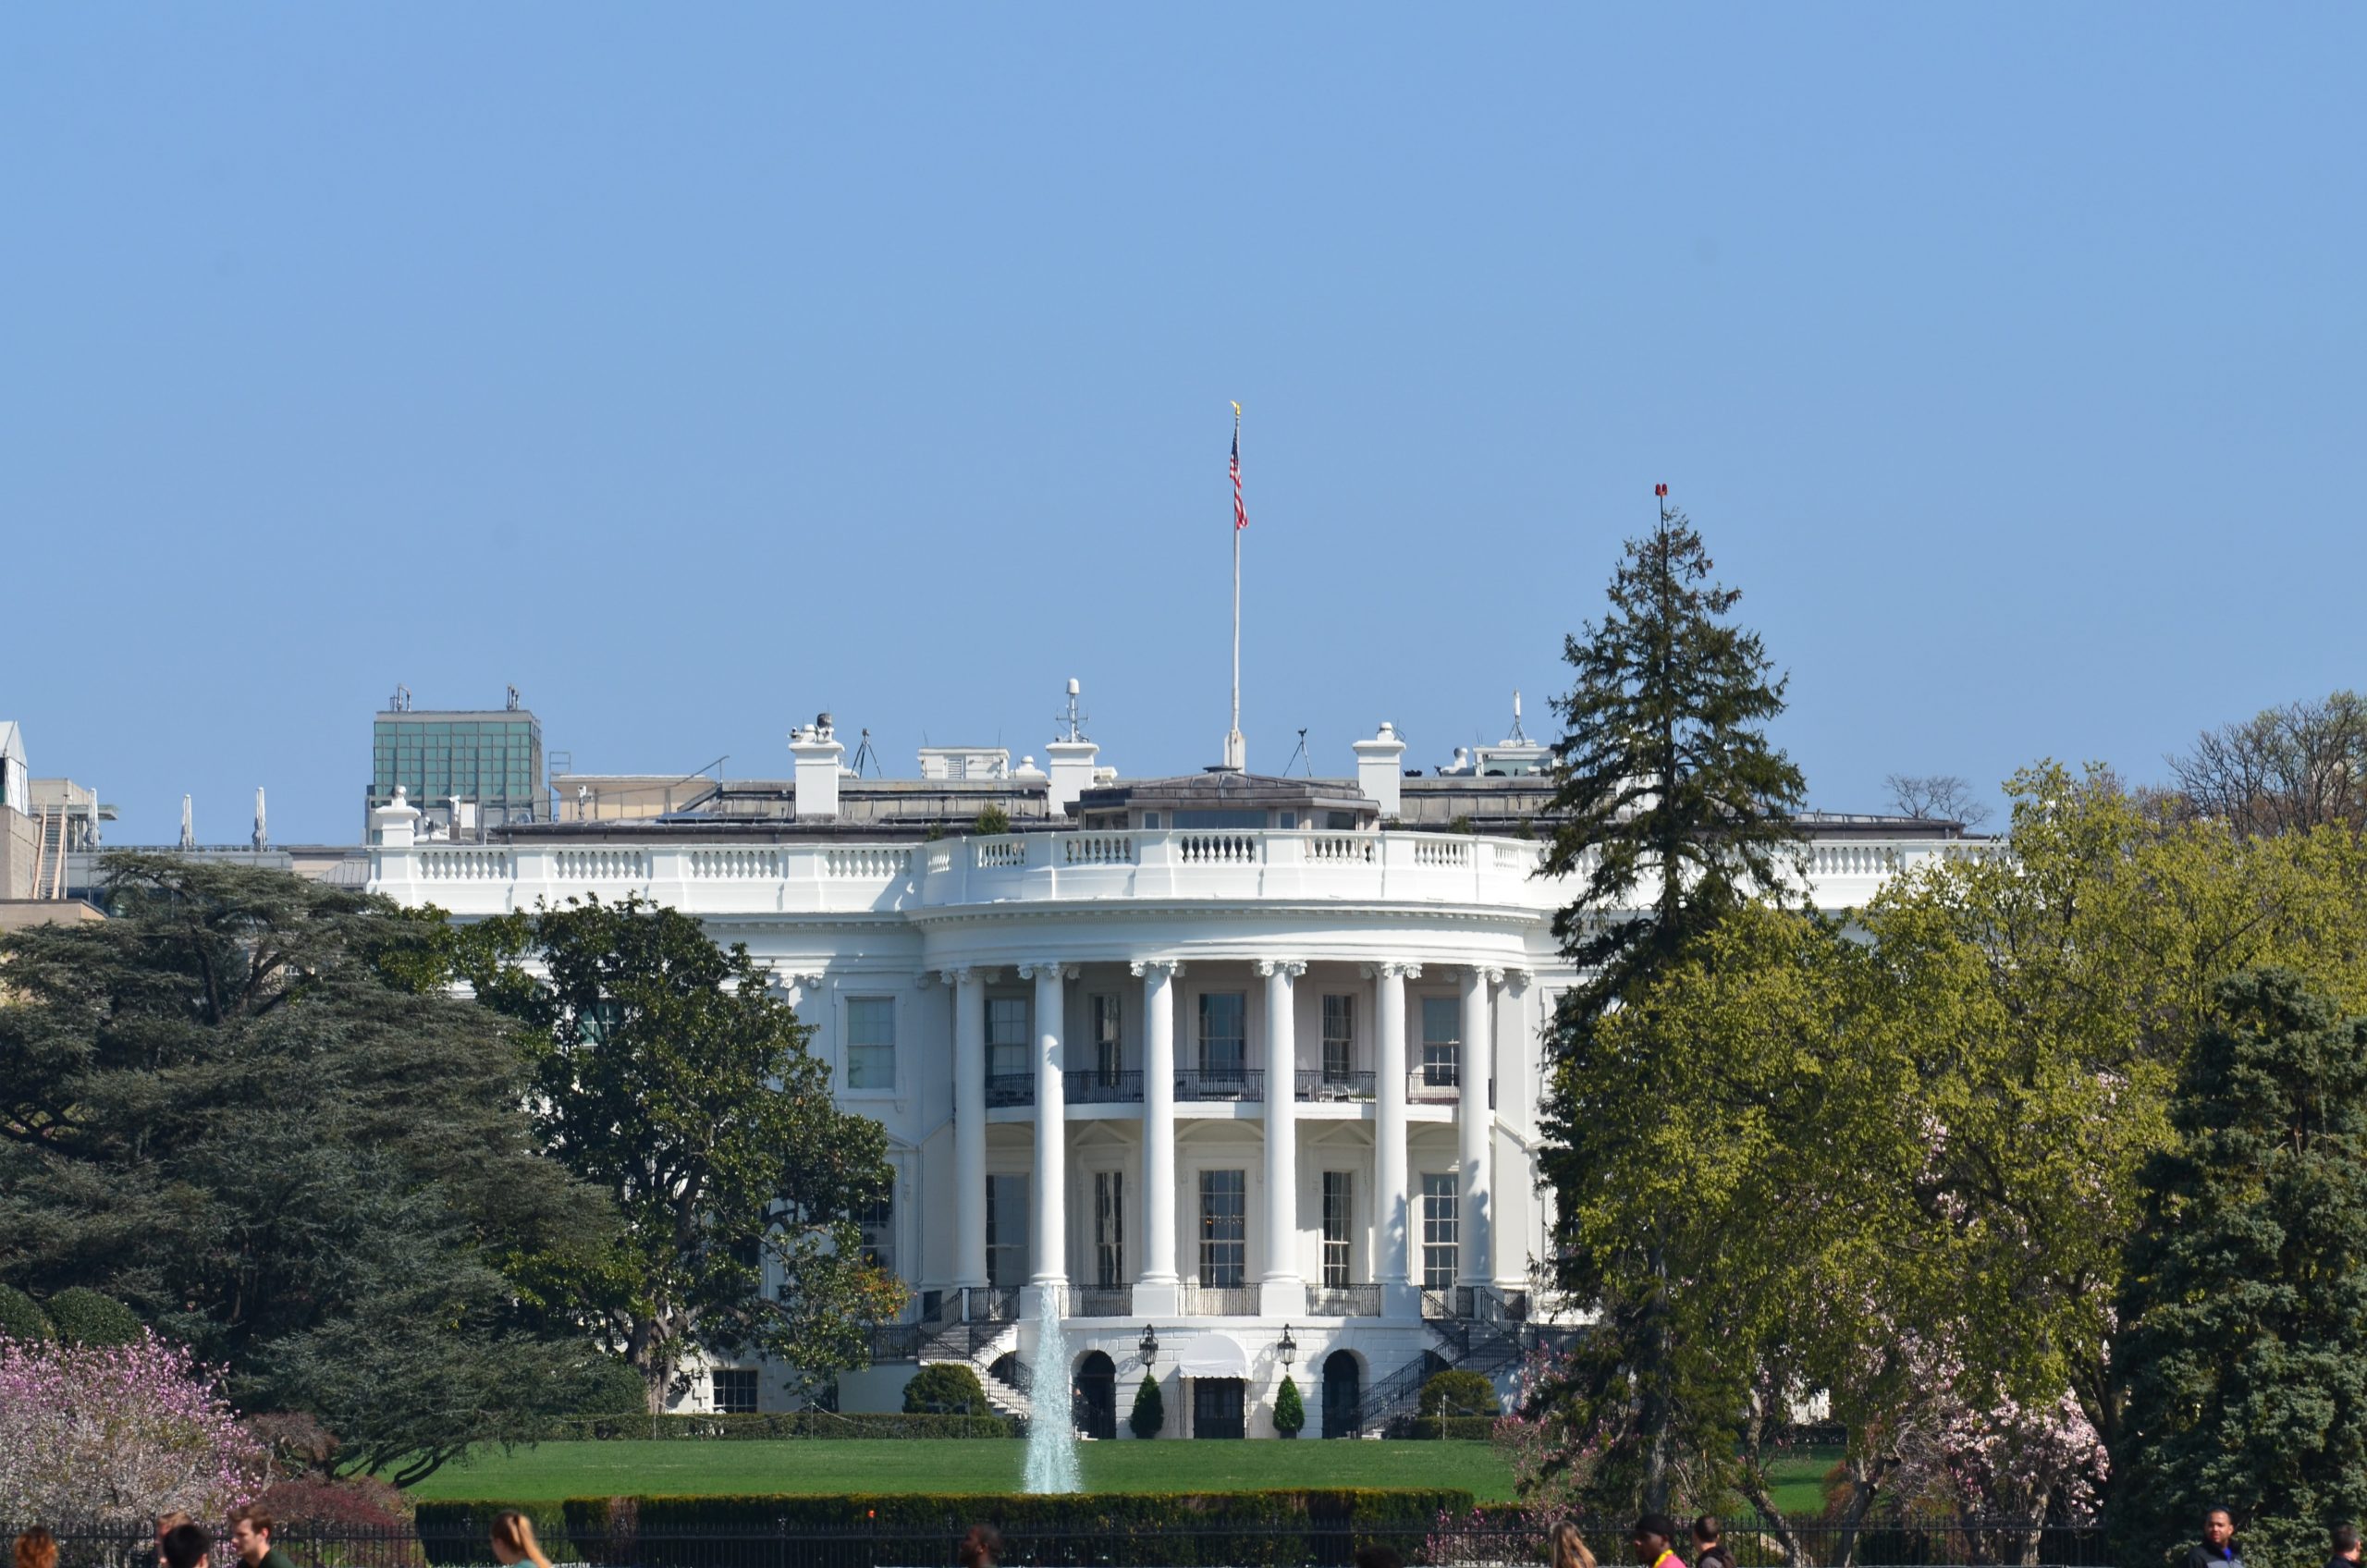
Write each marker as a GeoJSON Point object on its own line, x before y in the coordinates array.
{"type": "Point", "coordinates": [549, 1471]}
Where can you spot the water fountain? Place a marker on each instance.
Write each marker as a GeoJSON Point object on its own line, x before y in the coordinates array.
{"type": "Point", "coordinates": [1051, 1431]}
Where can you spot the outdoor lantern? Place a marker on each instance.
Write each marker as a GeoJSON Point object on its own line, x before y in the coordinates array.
{"type": "Point", "coordinates": [1286, 1347]}
{"type": "Point", "coordinates": [1149, 1346]}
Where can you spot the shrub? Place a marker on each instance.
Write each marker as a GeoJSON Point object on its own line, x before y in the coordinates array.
{"type": "Point", "coordinates": [946, 1388]}
{"type": "Point", "coordinates": [85, 1318]}
{"type": "Point", "coordinates": [771, 1425]}
{"type": "Point", "coordinates": [1451, 1392]}
{"type": "Point", "coordinates": [1150, 1409]}
{"type": "Point", "coordinates": [115, 1435]}
{"type": "Point", "coordinates": [362, 1502]}
{"type": "Point", "coordinates": [1290, 1411]}
{"type": "Point", "coordinates": [21, 1317]}
{"type": "Point", "coordinates": [298, 1444]}
{"type": "Point", "coordinates": [993, 820]}
{"type": "Point", "coordinates": [615, 1390]}
{"type": "Point", "coordinates": [1458, 1428]}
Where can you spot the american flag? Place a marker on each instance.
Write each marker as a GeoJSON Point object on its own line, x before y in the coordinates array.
{"type": "Point", "coordinates": [1240, 512]}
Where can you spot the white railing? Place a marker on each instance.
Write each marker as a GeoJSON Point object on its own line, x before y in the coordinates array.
{"type": "Point", "coordinates": [1097, 849]}
{"type": "Point", "coordinates": [1343, 849]}
{"type": "Point", "coordinates": [867, 860]}
{"type": "Point", "coordinates": [736, 866]}
{"type": "Point", "coordinates": [467, 865]}
{"type": "Point", "coordinates": [1219, 848]}
{"type": "Point", "coordinates": [600, 866]}
{"type": "Point", "coordinates": [993, 854]}
{"type": "Point", "coordinates": [1432, 848]}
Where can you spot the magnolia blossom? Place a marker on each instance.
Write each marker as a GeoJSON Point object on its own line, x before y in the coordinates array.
{"type": "Point", "coordinates": [116, 1435]}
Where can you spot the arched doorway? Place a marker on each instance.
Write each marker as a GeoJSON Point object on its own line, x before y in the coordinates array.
{"type": "Point", "coordinates": [1097, 1395]}
{"type": "Point", "coordinates": [1342, 1392]}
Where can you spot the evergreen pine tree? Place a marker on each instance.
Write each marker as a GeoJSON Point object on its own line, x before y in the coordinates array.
{"type": "Point", "coordinates": [2242, 1351]}
{"type": "Point", "coordinates": [1673, 811]}
{"type": "Point", "coordinates": [1290, 1411]}
{"type": "Point", "coordinates": [1150, 1409]}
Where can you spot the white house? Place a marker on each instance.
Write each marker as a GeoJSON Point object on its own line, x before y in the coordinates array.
{"type": "Point", "coordinates": [1247, 1065]}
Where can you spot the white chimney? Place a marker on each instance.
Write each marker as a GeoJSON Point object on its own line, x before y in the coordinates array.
{"type": "Point", "coordinates": [1377, 769]}
{"type": "Point", "coordinates": [392, 826]}
{"type": "Point", "coordinates": [817, 753]}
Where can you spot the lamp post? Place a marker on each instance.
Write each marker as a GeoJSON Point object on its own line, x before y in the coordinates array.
{"type": "Point", "coordinates": [1286, 1347]}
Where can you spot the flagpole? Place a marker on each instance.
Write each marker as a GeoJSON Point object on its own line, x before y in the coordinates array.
{"type": "Point", "coordinates": [1236, 749]}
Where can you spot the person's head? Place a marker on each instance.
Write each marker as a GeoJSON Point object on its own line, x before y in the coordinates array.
{"type": "Point", "coordinates": [36, 1548]}
{"type": "Point", "coordinates": [513, 1541]}
{"type": "Point", "coordinates": [1653, 1535]}
{"type": "Point", "coordinates": [251, 1533]}
{"type": "Point", "coordinates": [982, 1547]}
{"type": "Point", "coordinates": [2218, 1526]}
{"type": "Point", "coordinates": [1569, 1551]}
{"type": "Point", "coordinates": [1706, 1530]}
{"type": "Point", "coordinates": [1375, 1555]}
{"type": "Point", "coordinates": [186, 1545]}
{"type": "Point", "coordinates": [168, 1523]}
{"type": "Point", "coordinates": [2346, 1542]}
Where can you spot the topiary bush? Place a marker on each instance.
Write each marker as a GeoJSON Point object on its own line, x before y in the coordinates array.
{"type": "Point", "coordinates": [1290, 1411]}
{"type": "Point", "coordinates": [22, 1319]}
{"type": "Point", "coordinates": [85, 1318]}
{"type": "Point", "coordinates": [946, 1388]}
{"type": "Point", "coordinates": [1150, 1409]}
{"type": "Point", "coordinates": [1460, 1394]}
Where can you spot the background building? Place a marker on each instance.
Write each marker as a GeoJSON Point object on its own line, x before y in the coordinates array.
{"type": "Point", "coordinates": [465, 770]}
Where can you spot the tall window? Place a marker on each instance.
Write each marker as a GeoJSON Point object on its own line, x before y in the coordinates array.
{"type": "Point", "coordinates": [1105, 1037]}
{"type": "Point", "coordinates": [1338, 1039]}
{"type": "Point", "coordinates": [1110, 1229]}
{"type": "Point", "coordinates": [1224, 1033]}
{"type": "Point", "coordinates": [1336, 1248]}
{"type": "Point", "coordinates": [878, 1222]}
{"type": "Point", "coordinates": [1224, 1228]}
{"type": "Point", "coordinates": [735, 1390]}
{"type": "Point", "coordinates": [1441, 1230]}
{"type": "Point", "coordinates": [1442, 1040]}
{"type": "Point", "coordinates": [1006, 1232]}
{"type": "Point", "coordinates": [871, 1043]}
{"type": "Point", "coordinates": [1006, 1036]}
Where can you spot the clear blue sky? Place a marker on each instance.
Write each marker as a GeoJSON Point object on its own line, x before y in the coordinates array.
{"type": "Point", "coordinates": [698, 369]}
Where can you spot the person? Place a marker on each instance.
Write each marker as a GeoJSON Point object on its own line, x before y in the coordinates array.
{"type": "Point", "coordinates": [1372, 1554]}
{"type": "Point", "coordinates": [251, 1539]}
{"type": "Point", "coordinates": [982, 1547]}
{"type": "Point", "coordinates": [514, 1542]}
{"type": "Point", "coordinates": [2346, 1546]}
{"type": "Point", "coordinates": [1569, 1551]}
{"type": "Point", "coordinates": [2218, 1548]}
{"type": "Point", "coordinates": [1709, 1551]}
{"type": "Point", "coordinates": [1652, 1538]}
{"type": "Point", "coordinates": [186, 1545]}
{"type": "Point", "coordinates": [166, 1524]}
{"type": "Point", "coordinates": [36, 1548]}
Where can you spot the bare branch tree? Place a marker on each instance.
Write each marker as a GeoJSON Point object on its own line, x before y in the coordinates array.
{"type": "Point", "coordinates": [1936, 797]}
{"type": "Point", "coordinates": [2286, 769]}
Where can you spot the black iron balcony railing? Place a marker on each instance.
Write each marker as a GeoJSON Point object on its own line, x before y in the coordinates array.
{"type": "Point", "coordinates": [1220, 1301]}
{"type": "Point", "coordinates": [1219, 1083]}
{"type": "Point", "coordinates": [1101, 1301]}
{"type": "Point", "coordinates": [1343, 1301]}
{"type": "Point", "coordinates": [1009, 1089]}
{"type": "Point", "coordinates": [1330, 1085]}
{"type": "Point", "coordinates": [1433, 1083]}
{"type": "Point", "coordinates": [1096, 1087]}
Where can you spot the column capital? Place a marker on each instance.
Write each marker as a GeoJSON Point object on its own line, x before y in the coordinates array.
{"type": "Point", "coordinates": [1389, 968]}
{"type": "Point", "coordinates": [966, 974]}
{"type": "Point", "coordinates": [1290, 968]}
{"type": "Point", "coordinates": [1520, 979]}
{"type": "Point", "coordinates": [1494, 977]}
{"type": "Point", "coordinates": [1144, 968]}
{"type": "Point", "coordinates": [787, 981]}
{"type": "Point", "coordinates": [1047, 972]}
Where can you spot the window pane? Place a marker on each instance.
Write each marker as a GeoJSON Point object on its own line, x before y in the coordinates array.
{"type": "Point", "coordinates": [1224, 1036]}
{"type": "Point", "coordinates": [1442, 1032]}
{"type": "Point", "coordinates": [1224, 1233]}
{"type": "Point", "coordinates": [1336, 1244]}
{"type": "Point", "coordinates": [1007, 1051]}
{"type": "Point", "coordinates": [1440, 1230]}
{"type": "Point", "coordinates": [1339, 1037]}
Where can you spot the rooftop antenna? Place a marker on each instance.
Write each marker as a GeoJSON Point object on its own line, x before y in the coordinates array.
{"type": "Point", "coordinates": [400, 701]}
{"type": "Point", "coordinates": [1236, 749]}
{"type": "Point", "coordinates": [262, 839]}
{"type": "Point", "coordinates": [1516, 738]}
{"type": "Point", "coordinates": [865, 757]}
{"type": "Point", "coordinates": [1073, 717]}
{"type": "Point", "coordinates": [1300, 755]}
{"type": "Point", "coordinates": [189, 827]}
{"type": "Point", "coordinates": [513, 699]}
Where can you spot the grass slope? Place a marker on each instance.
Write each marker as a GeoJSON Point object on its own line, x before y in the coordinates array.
{"type": "Point", "coordinates": [549, 1471]}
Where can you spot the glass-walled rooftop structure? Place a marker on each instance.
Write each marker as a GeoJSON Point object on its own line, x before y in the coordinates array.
{"type": "Point", "coordinates": [491, 762]}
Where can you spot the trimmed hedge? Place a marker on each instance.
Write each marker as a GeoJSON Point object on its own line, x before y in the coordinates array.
{"type": "Point", "coordinates": [774, 1425]}
{"type": "Point", "coordinates": [1456, 1428]}
{"type": "Point", "coordinates": [85, 1318]}
{"type": "Point", "coordinates": [21, 1317]}
{"type": "Point", "coordinates": [1110, 1530]}
{"type": "Point", "coordinates": [946, 1388]}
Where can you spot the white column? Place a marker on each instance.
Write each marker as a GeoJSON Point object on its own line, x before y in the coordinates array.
{"type": "Point", "coordinates": [969, 988]}
{"type": "Point", "coordinates": [1515, 1221]}
{"type": "Point", "coordinates": [1392, 1203]}
{"type": "Point", "coordinates": [1476, 1264]}
{"type": "Point", "coordinates": [1052, 1231]}
{"type": "Point", "coordinates": [1156, 1288]}
{"type": "Point", "coordinates": [1282, 1288]}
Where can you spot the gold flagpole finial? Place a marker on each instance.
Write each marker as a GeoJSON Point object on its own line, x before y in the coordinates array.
{"type": "Point", "coordinates": [1236, 412]}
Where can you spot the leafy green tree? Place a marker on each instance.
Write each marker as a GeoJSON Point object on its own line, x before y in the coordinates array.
{"type": "Point", "coordinates": [242, 1106]}
{"type": "Point", "coordinates": [1673, 810]}
{"type": "Point", "coordinates": [668, 1076]}
{"type": "Point", "coordinates": [1456, 1393]}
{"type": "Point", "coordinates": [1289, 1409]}
{"type": "Point", "coordinates": [1149, 1413]}
{"type": "Point", "coordinates": [946, 1388]}
{"type": "Point", "coordinates": [2244, 1340]}
{"type": "Point", "coordinates": [85, 1318]}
